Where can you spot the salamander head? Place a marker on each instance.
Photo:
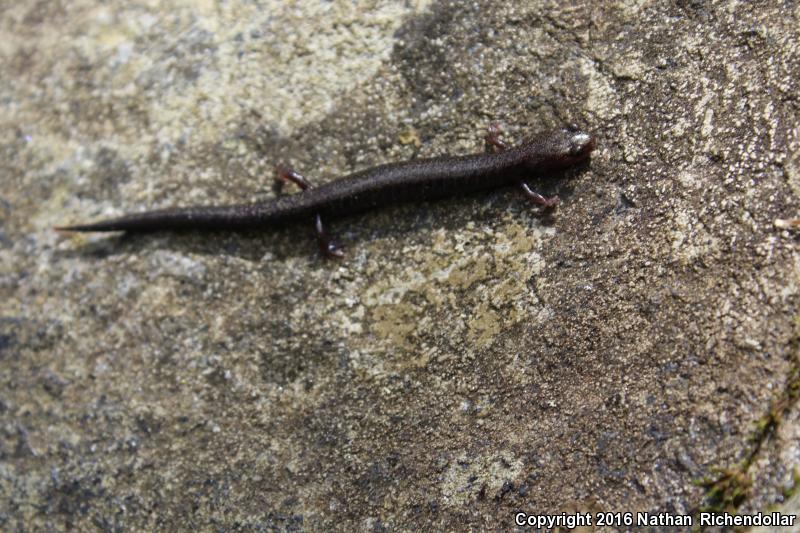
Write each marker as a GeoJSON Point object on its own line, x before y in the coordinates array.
{"type": "Point", "coordinates": [562, 148]}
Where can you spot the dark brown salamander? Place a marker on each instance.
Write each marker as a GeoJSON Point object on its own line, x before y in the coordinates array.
{"type": "Point", "coordinates": [420, 179]}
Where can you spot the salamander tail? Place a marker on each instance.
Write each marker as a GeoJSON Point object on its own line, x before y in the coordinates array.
{"type": "Point", "coordinates": [81, 227]}
{"type": "Point", "coordinates": [116, 224]}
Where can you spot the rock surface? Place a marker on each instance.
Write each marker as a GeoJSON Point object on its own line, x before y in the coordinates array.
{"type": "Point", "coordinates": [637, 351]}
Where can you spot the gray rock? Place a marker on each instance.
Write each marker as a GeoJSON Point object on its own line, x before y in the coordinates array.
{"type": "Point", "coordinates": [467, 359]}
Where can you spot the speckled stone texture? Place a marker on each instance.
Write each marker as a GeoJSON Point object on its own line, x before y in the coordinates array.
{"type": "Point", "coordinates": [468, 358]}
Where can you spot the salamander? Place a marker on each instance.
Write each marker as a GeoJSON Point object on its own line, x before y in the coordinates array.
{"type": "Point", "coordinates": [418, 179]}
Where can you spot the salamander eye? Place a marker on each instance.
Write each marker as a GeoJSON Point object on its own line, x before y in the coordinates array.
{"type": "Point", "coordinates": [572, 127]}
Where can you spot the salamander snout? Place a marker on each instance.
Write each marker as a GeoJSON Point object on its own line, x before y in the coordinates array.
{"type": "Point", "coordinates": [565, 147]}
{"type": "Point", "coordinates": [581, 143]}
{"type": "Point", "coordinates": [558, 149]}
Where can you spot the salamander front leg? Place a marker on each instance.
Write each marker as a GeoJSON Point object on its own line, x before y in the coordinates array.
{"type": "Point", "coordinates": [328, 245]}
{"type": "Point", "coordinates": [492, 137]}
{"type": "Point", "coordinates": [537, 198]}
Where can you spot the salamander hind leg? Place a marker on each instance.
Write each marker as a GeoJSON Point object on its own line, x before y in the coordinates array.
{"type": "Point", "coordinates": [284, 172]}
{"type": "Point", "coordinates": [329, 246]}
{"type": "Point", "coordinates": [536, 198]}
